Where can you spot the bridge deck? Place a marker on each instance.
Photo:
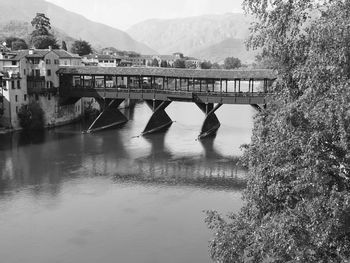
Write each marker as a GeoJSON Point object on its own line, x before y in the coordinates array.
{"type": "Point", "coordinates": [208, 86]}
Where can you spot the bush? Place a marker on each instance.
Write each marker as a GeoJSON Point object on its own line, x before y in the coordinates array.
{"type": "Point", "coordinates": [31, 116]}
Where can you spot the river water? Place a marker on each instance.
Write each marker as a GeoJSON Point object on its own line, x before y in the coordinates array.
{"type": "Point", "coordinates": [113, 196]}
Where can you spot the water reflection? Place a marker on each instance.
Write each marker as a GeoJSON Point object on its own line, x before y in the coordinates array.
{"type": "Point", "coordinates": [64, 181]}
{"type": "Point", "coordinates": [52, 156]}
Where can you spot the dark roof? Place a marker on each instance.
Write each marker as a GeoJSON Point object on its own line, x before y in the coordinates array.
{"type": "Point", "coordinates": [40, 53]}
{"type": "Point", "coordinates": [171, 72]}
{"type": "Point", "coordinates": [37, 53]}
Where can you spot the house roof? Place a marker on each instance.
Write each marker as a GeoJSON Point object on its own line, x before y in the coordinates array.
{"type": "Point", "coordinates": [172, 72]}
{"type": "Point", "coordinates": [40, 53]}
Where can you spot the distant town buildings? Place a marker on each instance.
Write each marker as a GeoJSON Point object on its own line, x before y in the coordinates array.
{"type": "Point", "coordinates": [111, 57]}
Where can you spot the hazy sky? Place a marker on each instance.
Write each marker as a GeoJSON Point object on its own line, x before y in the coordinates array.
{"type": "Point", "coordinates": [124, 13]}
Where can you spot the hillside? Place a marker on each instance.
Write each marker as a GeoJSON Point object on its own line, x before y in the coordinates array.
{"type": "Point", "coordinates": [227, 48]}
{"type": "Point", "coordinates": [74, 25]}
{"type": "Point", "coordinates": [23, 29]}
{"type": "Point", "coordinates": [193, 34]}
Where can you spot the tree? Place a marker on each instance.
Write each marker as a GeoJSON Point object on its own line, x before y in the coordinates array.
{"type": "Point", "coordinates": [81, 48]}
{"type": "Point", "coordinates": [216, 66]}
{"type": "Point", "coordinates": [190, 64]}
{"type": "Point", "coordinates": [16, 43]}
{"type": "Point", "coordinates": [31, 116]}
{"type": "Point", "coordinates": [64, 45]}
{"type": "Point", "coordinates": [19, 44]}
{"type": "Point", "coordinates": [206, 65]}
{"type": "Point", "coordinates": [297, 201]}
{"type": "Point", "coordinates": [41, 38]}
{"type": "Point", "coordinates": [44, 42]}
{"type": "Point", "coordinates": [155, 63]}
{"type": "Point", "coordinates": [163, 64]}
{"type": "Point", "coordinates": [41, 25]}
{"type": "Point", "coordinates": [232, 63]}
{"type": "Point", "coordinates": [179, 63]}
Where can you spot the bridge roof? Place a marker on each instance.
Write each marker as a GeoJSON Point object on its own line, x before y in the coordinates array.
{"type": "Point", "coordinates": [257, 74]}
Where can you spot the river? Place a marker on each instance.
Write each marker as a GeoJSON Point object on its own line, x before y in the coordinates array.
{"type": "Point", "coordinates": [114, 196]}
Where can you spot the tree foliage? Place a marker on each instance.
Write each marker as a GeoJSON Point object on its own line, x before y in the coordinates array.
{"type": "Point", "coordinates": [41, 38]}
{"type": "Point", "coordinates": [216, 66]}
{"type": "Point", "coordinates": [232, 63]}
{"type": "Point", "coordinates": [179, 63]}
{"type": "Point", "coordinates": [31, 116]}
{"type": "Point", "coordinates": [163, 64]}
{"type": "Point", "coordinates": [297, 202]}
{"type": "Point", "coordinates": [16, 43]}
{"type": "Point", "coordinates": [64, 45]}
{"type": "Point", "coordinates": [81, 47]}
{"type": "Point", "coordinates": [206, 65]}
{"type": "Point", "coordinates": [155, 63]}
{"type": "Point", "coordinates": [41, 25]}
{"type": "Point", "coordinates": [44, 42]}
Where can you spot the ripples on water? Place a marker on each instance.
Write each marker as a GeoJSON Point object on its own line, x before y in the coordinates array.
{"type": "Point", "coordinates": [116, 196]}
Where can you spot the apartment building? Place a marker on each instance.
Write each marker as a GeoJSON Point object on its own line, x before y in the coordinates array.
{"type": "Point", "coordinates": [30, 75]}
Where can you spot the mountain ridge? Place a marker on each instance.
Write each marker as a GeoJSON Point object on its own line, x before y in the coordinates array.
{"type": "Point", "coordinates": [74, 25]}
{"type": "Point", "coordinates": [191, 35]}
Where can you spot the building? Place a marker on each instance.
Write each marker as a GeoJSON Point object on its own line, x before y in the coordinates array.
{"type": "Point", "coordinates": [101, 60]}
{"type": "Point", "coordinates": [30, 76]}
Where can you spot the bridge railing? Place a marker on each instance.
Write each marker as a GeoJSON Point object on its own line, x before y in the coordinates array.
{"type": "Point", "coordinates": [160, 89]}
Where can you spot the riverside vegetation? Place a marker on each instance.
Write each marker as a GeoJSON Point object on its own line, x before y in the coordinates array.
{"type": "Point", "coordinates": [297, 200]}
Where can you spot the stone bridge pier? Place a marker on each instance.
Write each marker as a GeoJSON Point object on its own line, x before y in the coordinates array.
{"type": "Point", "coordinates": [159, 120]}
{"type": "Point", "coordinates": [110, 115]}
{"type": "Point", "coordinates": [211, 123]}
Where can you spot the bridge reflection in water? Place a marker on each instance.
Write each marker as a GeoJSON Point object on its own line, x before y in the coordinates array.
{"type": "Point", "coordinates": [158, 87]}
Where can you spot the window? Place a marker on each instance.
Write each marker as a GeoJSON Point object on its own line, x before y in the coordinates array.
{"type": "Point", "coordinates": [14, 63]}
{"type": "Point", "coordinates": [56, 62]}
{"type": "Point", "coordinates": [49, 96]}
{"type": "Point", "coordinates": [48, 61]}
{"type": "Point", "coordinates": [25, 97]}
{"type": "Point", "coordinates": [12, 84]}
{"type": "Point", "coordinates": [49, 84]}
{"type": "Point", "coordinates": [36, 61]}
{"type": "Point", "coordinates": [37, 72]}
{"type": "Point", "coordinates": [16, 109]}
{"type": "Point", "coordinates": [24, 72]}
{"type": "Point", "coordinates": [18, 84]}
{"type": "Point", "coordinates": [16, 98]}
{"type": "Point", "coordinates": [49, 72]}
{"type": "Point", "coordinates": [36, 97]}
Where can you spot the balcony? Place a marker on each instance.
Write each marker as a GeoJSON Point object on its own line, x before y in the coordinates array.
{"type": "Point", "coordinates": [37, 85]}
{"type": "Point", "coordinates": [41, 90]}
{"type": "Point", "coordinates": [36, 78]}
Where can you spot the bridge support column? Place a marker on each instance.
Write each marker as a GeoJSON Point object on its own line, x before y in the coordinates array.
{"type": "Point", "coordinates": [159, 120]}
{"type": "Point", "coordinates": [109, 117]}
{"type": "Point", "coordinates": [211, 123]}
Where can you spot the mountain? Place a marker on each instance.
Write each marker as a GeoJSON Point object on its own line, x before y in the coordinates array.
{"type": "Point", "coordinates": [229, 47]}
{"type": "Point", "coordinates": [194, 35]}
{"type": "Point", "coordinates": [74, 25]}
